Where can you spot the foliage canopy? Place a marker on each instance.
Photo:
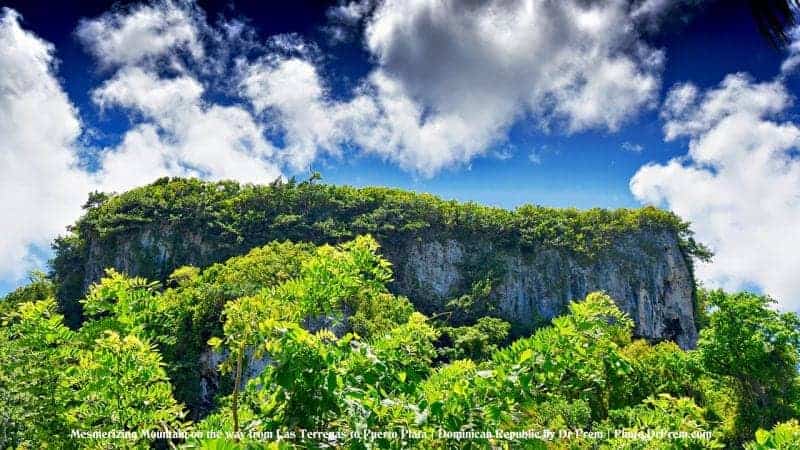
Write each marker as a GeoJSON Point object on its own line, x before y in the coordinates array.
{"type": "Point", "coordinates": [310, 338]}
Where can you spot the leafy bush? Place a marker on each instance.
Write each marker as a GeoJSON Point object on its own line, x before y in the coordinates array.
{"type": "Point", "coordinates": [476, 342]}
{"type": "Point", "coordinates": [758, 350]}
{"type": "Point", "coordinates": [34, 350]}
{"type": "Point", "coordinates": [337, 352]}
{"type": "Point", "coordinates": [119, 384]}
{"type": "Point", "coordinates": [783, 436]}
{"type": "Point", "coordinates": [39, 288]}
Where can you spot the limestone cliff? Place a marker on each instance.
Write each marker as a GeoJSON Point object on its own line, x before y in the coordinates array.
{"type": "Point", "coordinates": [645, 273]}
{"type": "Point", "coordinates": [532, 261]}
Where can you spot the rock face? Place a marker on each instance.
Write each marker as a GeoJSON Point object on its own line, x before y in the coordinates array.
{"type": "Point", "coordinates": [645, 272]}
{"type": "Point", "coordinates": [210, 374]}
{"type": "Point", "coordinates": [211, 359]}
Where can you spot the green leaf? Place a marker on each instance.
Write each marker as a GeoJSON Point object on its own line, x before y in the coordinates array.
{"type": "Point", "coordinates": [762, 436]}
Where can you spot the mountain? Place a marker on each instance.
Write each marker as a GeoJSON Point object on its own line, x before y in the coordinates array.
{"type": "Point", "coordinates": [244, 326]}
{"type": "Point", "coordinates": [459, 260]}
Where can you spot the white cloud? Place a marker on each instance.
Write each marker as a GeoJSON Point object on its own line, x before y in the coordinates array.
{"type": "Point", "coordinates": [632, 147]}
{"type": "Point", "coordinates": [739, 184]}
{"type": "Point", "coordinates": [793, 58]}
{"type": "Point", "coordinates": [291, 90]}
{"type": "Point", "coordinates": [648, 9]}
{"type": "Point", "coordinates": [413, 137]}
{"type": "Point", "coordinates": [143, 33]}
{"type": "Point", "coordinates": [352, 12]}
{"type": "Point", "coordinates": [345, 19]}
{"type": "Point", "coordinates": [686, 114]}
{"type": "Point", "coordinates": [450, 79]}
{"type": "Point", "coordinates": [41, 189]}
{"type": "Point", "coordinates": [453, 77]}
{"type": "Point", "coordinates": [165, 100]}
{"type": "Point", "coordinates": [175, 131]}
{"type": "Point", "coordinates": [569, 60]}
{"type": "Point", "coordinates": [449, 83]}
{"type": "Point", "coordinates": [379, 119]}
{"type": "Point", "coordinates": [180, 134]}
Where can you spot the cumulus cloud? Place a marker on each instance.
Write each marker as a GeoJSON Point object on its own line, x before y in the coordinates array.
{"type": "Point", "coordinates": [176, 130]}
{"type": "Point", "coordinates": [449, 81]}
{"type": "Point", "coordinates": [632, 147]}
{"type": "Point", "coordinates": [410, 135]}
{"type": "Point", "coordinates": [454, 77]}
{"type": "Point", "coordinates": [793, 59]}
{"type": "Point", "coordinates": [651, 15]}
{"type": "Point", "coordinates": [41, 187]}
{"type": "Point", "coordinates": [379, 119]}
{"type": "Point", "coordinates": [568, 60]}
{"type": "Point", "coordinates": [687, 113]}
{"type": "Point", "coordinates": [291, 91]}
{"type": "Point", "coordinates": [738, 184]}
{"type": "Point", "coordinates": [180, 134]}
{"type": "Point", "coordinates": [143, 33]}
{"type": "Point", "coordinates": [351, 12]}
{"type": "Point", "coordinates": [344, 19]}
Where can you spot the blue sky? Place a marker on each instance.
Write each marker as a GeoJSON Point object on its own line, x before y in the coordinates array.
{"type": "Point", "coordinates": [419, 95]}
{"type": "Point", "coordinates": [585, 169]}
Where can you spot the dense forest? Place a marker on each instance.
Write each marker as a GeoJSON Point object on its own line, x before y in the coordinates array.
{"type": "Point", "coordinates": [297, 340]}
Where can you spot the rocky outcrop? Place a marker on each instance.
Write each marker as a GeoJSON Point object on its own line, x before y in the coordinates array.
{"type": "Point", "coordinates": [209, 363]}
{"type": "Point", "coordinates": [210, 359]}
{"type": "Point", "coordinates": [646, 273]}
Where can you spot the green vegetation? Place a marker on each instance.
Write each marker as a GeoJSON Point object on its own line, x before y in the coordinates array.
{"type": "Point", "coordinates": [311, 339]}
{"type": "Point", "coordinates": [201, 223]}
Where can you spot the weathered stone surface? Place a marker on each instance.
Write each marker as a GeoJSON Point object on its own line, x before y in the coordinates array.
{"type": "Point", "coordinates": [209, 363]}
{"type": "Point", "coordinates": [645, 272]}
{"type": "Point", "coordinates": [211, 359]}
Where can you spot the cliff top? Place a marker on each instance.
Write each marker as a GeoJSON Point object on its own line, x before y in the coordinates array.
{"type": "Point", "coordinates": [307, 211]}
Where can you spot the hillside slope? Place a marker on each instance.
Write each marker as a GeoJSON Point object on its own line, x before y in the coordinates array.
{"type": "Point", "coordinates": [460, 260]}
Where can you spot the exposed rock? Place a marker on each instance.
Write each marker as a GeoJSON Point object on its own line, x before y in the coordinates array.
{"type": "Point", "coordinates": [210, 359]}
{"type": "Point", "coordinates": [645, 272]}
{"type": "Point", "coordinates": [210, 374]}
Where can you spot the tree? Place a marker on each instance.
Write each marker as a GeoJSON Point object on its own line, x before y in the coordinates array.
{"type": "Point", "coordinates": [120, 384]}
{"type": "Point", "coordinates": [661, 413]}
{"type": "Point", "coordinates": [34, 350]}
{"type": "Point", "coordinates": [783, 436]}
{"type": "Point", "coordinates": [578, 357]}
{"type": "Point", "coordinates": [351, 276]}
{"type": "Point", "coordinates": [757, 348]}
{"type": "Point", "coordinates": [129, 306]}
{"type": "Point", "coordinates": [245, 320]}
{"type": "Point", "coordinates": [39, 288]}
